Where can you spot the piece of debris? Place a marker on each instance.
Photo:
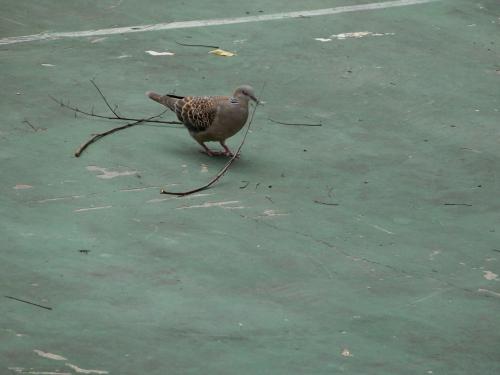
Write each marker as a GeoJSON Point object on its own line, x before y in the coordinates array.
{"type": "Point", "coordinates": [488, 275]}
{"type": "Point", "coordinates": [154, 53]}
{"type": "Point", "coordinates": [29, 303]}
{"type": "Point", "coordinates": [325, 203]}
{"type": "Point", "coordinates": [346, 353]}
{"type": "Point", "coordinates": [196, 45]}
{"type": "Point", "coordinates": [221, 52]}
{"type": "Point", "coordinates": [294, 123]}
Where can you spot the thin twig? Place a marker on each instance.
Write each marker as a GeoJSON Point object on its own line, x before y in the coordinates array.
{"type": "Point", "coordinates": [30, 303]}
{"type": "Point", "coordinates": [325, 203]}
{"type": "Point", "coordinates": [223, 171]}
{"type": "Point", "coordinates": [196, 45]}
{"type": "Point", "coordinates": [104, 98]}
{"type": "Point", "coordinates": [293, 123]}
{"type": "Point", "coordinates": [457, 204]}
{"type": "Point", "coordinates": [97, 136]}
{"type": "Point", "coordinates": [92, 114]}
{"type": "Point", "coordinates": [30, 125]}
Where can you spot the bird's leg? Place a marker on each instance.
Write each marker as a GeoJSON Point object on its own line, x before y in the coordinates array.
{"type": "Point", "coordinates": [209, 152]}
{"type": "Point", "coordinates": [227, 151]}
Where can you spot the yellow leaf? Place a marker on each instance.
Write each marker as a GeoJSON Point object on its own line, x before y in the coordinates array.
{"type": "Point", "coordinates": [221, 52]}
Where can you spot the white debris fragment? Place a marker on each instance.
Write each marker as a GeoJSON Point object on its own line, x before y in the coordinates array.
{"type": "Point", "coordinates": [166, 53]}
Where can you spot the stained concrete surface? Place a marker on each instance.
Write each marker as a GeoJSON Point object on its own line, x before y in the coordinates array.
{"type": "Point", "coordinates": [256, 275]}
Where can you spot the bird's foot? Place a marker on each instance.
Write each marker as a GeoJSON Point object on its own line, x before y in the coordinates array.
{"type": "Point", "coordinates": [229, 154]}
{"type": "Point", "coordinates": [213, 153]}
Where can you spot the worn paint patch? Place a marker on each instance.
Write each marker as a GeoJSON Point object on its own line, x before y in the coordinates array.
{"type": "Point", "coordinates": [58, 199]}
{"type": "Point", "coordinates": [22, 187]}
{"type": "Point", "coordinates": [84, 371]}
{"type": "Point", "coordinates": [154, 53]}
{"type": "Point", "coordinates": [208, 204]}
{"type": "Point", "coordinates": [353, 35]}
{"type": "Point", "coordinates": [488, 275]}
{"type": "Point", "coordinates": [434, 253]}
{"type": "Point", "coordinates": [107, 174]}
{"type": "Point", "coordinates": [140, 189]}
{"type": "Point", "coordinates": [381, 229]}
{"type": "Point", "coordinates": [490, 292]}
{"type": "Point", "coordinates": [204, 168]}
{"type": "Point", "coordinates": [273, 213]}
{"type": "Point", "coordinates": [97, 40]}
{"type": "Point", "coordinates": [47, 355]}
{"type": "Point", "coordinates": [91, 208]}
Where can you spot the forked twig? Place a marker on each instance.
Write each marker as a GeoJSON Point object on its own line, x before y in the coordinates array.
{"type": "Point", "coordinates": [224, 169]}
{"type": "Point", "coordinates": [98, 136]}
{"type": "Point", "coordinates": [92, 114]}
{"type": "Point", "coordinates": [116, 116]}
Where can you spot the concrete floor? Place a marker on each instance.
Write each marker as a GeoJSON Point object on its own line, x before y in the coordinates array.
{"type": "Point", "coordinates": [253, 276]}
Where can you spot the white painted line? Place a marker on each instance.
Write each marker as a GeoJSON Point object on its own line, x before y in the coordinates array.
{"type": "Point", "coordinates": [211, 22]}
{"type": "Point", "coordinates": [21, 370]}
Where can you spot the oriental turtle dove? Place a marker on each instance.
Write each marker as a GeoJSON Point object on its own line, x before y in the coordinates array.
{"type": "Point", "coordinates": [210, 118]}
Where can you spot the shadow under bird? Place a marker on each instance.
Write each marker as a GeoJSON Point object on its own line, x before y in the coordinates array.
{"type": "Point", "coordinates": [210, 118]}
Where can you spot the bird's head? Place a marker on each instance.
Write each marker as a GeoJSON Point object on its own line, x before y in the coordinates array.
{"type": "Point", "coordinates": [245, 92]}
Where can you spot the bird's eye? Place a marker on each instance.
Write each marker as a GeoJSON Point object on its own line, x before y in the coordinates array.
{"type": "Point", "coordinates": [245, 93]}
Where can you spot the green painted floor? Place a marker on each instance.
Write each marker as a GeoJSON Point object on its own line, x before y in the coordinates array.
{"type": "Point", "coordinates": [261, 274]}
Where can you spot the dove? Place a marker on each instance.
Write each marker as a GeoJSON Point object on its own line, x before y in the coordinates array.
{"type": "Point", "coordinates": [210, 118]}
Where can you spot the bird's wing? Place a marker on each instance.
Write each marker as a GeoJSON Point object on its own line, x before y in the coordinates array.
{"type": "Point", "coordinates": [198, 112]}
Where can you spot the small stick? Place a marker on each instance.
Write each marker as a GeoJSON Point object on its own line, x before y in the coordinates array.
{"type": "Point", "coordinates": [457, 204]}
{"type": "Point", "coordinates": [29, 123]}
{"type": "Point", "coordinates": [292, 123]}
{"type": "Point", "coordinates": [92, 114]}
{"type": "Point", "coordinates": [325, 203]}
{"type": "Point", "coordinates": [28, 302]}
{"type": "Point", "coordinates": [223, 171]}
{"type": "Point", "coordinates": [97, 136]}
{"type": "Point", "coordinates": [196, 45]}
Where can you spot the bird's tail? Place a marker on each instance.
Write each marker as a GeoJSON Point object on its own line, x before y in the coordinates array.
{"type": "Point", "coordinates": [156, 97]}
{"type": "Point", "coordinates": [168, 100]}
